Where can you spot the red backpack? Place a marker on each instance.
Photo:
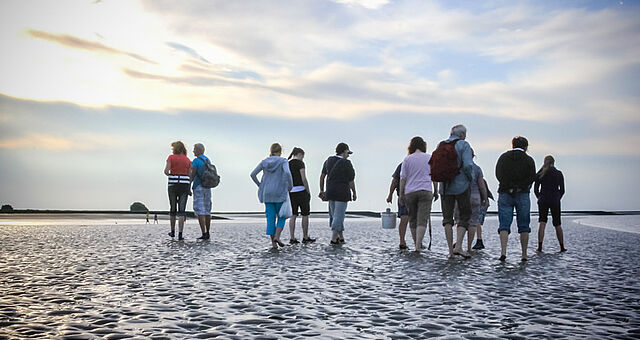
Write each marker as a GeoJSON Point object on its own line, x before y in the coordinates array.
{"type": "Point", "coordinates": [444, 162]}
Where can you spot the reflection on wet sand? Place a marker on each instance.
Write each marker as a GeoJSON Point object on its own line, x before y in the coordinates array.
{"type": "Point", "coordinates": [121, 281]}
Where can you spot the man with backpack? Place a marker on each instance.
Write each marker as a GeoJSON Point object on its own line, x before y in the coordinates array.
{"type": "Point", "coordinates": [451, 165]}
{"type": "Point", "coordinates": [200, 174]}
{"type": "Point", "coordinates": [515, 171]}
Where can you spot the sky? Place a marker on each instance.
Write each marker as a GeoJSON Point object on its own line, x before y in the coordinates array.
{"type": "Point", "coordinates": [92, 93]}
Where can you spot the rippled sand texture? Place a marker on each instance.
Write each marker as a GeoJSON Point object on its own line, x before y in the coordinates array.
{"type": "Point", "coordinates": [120, 281]}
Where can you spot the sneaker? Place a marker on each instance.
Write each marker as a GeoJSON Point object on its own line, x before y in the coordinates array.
{"type": "Point", "coordinates": [308, 240]}
{"type": "Point", "coordinates": [340, 240]}
{"type": "Point", "coordinates": [503, 258]}
{"type": "Point", "coordinates": [336, 242]}
{"type": "Point", "coordinates": [203, 237]}
{"type": "Point", "coordinates": [293, 241]}
{"type": "Point", "coordinates": [172, 234]}
{"type": "Point", "coordinates": [207, 236]}
{"type": "Point", "coordinates": [479, 244]}
{"type": "Point", "coordinates": [403, 246]}
{"type": "Point", "coordinates": [180, 238]}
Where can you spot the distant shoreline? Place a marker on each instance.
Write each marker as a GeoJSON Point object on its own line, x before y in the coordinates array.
{"type": "Point", "coordinates": [221, 215]}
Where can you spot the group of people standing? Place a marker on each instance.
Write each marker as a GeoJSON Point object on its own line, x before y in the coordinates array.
{"type": "Point", "coordinates": [449, 174]}
{"type": "Point", "coordinates": [464, 194]}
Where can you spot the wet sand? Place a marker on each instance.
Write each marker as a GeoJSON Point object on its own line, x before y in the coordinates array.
{"type": "Point", "coordinates": [132, 281]}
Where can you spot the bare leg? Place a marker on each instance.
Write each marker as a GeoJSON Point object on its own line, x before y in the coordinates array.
{"type": "Point", "coordinates": [181, 224]}
{"type": "Point", "coordinates": [479, 232]}
{"type": "Point", "coordinates": [460, 231]}
{"type": "Point", "coordinates": [504, 237]}
{"type": "Point", "coordinates": [560, 236]}
{"type": "Point", "coordinates": [413, 234]}
{"type": "Point", "coordinates": [292, 226]}
{"type": "Point", "coordinates": [524, 242]}
{"type": "Point", "coordinates": [334, 236]}
{"type": "Point", "coordinates": [420, 231]}
{"type": "Point", "coordinates": [341, 235]}
{"type": "Point", "coordinates": [305, 227]}
{"type": "Point", "coordinates": [541, 234]}
{"type": "Point", "coordinates": [472, 235]}
{"type": "Point", "coordinates": [207, 222]}
{"type": "Point", "coordinates": [448, 233]}
{"type": "Point", "coordinates": [276, 237]}
{"type": "Point", "coordinates": [172, 222]}
{"type": "Point", "coordinates": [203, 223]}
{"type": "Point", "coordinates": [402, 229]}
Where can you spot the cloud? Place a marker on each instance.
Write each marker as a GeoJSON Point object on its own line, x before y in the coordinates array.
{"type": "Point", "coordinates": [79, 141]}
{"type": "Point", "coordinates": [82, 44]}
{"type": "Point", "coordinates": [188, 50]}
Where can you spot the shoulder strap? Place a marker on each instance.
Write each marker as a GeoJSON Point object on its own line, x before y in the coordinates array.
{"type": "Point", "coordinates": [334, 166]}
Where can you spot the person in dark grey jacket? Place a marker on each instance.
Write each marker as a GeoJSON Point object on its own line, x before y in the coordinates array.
{"type": "Point", "coordinates": [515, 171]}
{"type": "Point", "coordinates": [273, 190]}
{"type": "Point", "coordinates": [341, 189]}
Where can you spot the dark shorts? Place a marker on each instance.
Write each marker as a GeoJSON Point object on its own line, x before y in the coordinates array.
{"type": "Point", "coordinates": [543, 213]}
{"type": "Point", "coordinates": [300, 200]}
{"type": "Point", "coordinates": [178, 198]}
{"type": "Point", "coordinates": [402, 210]}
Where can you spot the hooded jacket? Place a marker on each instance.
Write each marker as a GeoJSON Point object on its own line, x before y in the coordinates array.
{"type": "Point", "coordinates": [515, 171]}
{"type": "Point", "coordinates": [276, 179]}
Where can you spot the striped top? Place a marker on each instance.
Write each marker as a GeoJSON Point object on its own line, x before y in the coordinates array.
{"type": "Point", "coordinates": [179, 179]}
{"type": "Point", "coordinates": [180, 168]}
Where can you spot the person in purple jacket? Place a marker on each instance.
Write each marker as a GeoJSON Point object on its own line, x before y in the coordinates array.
{"type": "Point", "coordinates": [549, 189]}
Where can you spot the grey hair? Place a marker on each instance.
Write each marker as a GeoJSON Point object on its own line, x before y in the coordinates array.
{"type": "Point", "coordinates": [459, 131]}
{"type": "Point", "coordinates": [199, 146]}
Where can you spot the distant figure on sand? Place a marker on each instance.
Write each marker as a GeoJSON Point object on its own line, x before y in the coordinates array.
{"type": "Point", "coordinates": [403, 213]}
{"type": "Point", "coordinates": [273, 190]}
{"type": "Point", "coordinates": [416, 189]}
{"type": "Point", "coordinates": [147, 217]}
{"type": "Point", "coordinates": [341, 188]}
{"type": "Point", "coordinates": [451, 164]}
{"type": "Point", "coordinates": [155, 218]}
{"type": "Point", "coordinates": [515, 171]}
{"type": "Point", "coordinates": [549, 189]}
{"type": "Point", "coordinates": [177, 169]}
{"type": "Point", "coordinates": [300, 196]}
{"type": "Point", "coordinates": [201, 195]}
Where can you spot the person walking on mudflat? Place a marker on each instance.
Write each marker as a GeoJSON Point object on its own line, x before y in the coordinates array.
{"type": "Point", "coordinates": [201, 195]}
{"type": "Point", "coordinates": [451, 164]}
{"type": "Point", "coordinates": [403, 213]}
{"type": "Point", "coordinates": [416, 189]}
{"type": "Point", "coordinates": [273, 190]}
{"type": "Point", "coordinates": [515, 171]}
{"type": "Point", "coordinates": [300, 196]}
{"type": "Point", "coordinates": [549, 189]}
{"type": "Point", "coordinates": [341, 189]}
{"type": "Point", "coordinates": [177, 169]}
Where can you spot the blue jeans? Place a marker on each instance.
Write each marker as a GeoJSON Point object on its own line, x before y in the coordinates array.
{"type": "Point", "coordinates": [271, 210]}
{"type": "Point", "coordinates": [337, 210]}
{"type": "Point", "coordinates": [522, 203]}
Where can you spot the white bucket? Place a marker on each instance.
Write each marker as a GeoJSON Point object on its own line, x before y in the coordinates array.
{"type": "Point", "coordinates": [388, 219]}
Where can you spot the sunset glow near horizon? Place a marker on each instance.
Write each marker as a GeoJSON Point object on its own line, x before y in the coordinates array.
{"type": "Point", "coordinates": [92, 93]}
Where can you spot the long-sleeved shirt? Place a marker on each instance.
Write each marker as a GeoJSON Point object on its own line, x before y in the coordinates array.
{"type": "Point", "coordinates": [465, 161]}
{"type": "Point", "coordinates": [515, 171]}
{"type": "Point", "coordinates": [276, 180]}
{"type": "Point", "coordinates": [550, 188]}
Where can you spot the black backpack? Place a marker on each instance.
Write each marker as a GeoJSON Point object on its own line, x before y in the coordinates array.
{"type": "Point", "coordinates": [209, 177]}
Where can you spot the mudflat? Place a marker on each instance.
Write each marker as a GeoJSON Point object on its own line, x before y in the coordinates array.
{"type": "Point", "coordinates": [102, 280]}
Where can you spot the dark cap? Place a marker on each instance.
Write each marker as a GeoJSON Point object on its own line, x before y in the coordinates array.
{"type": "Point", "coordinates": [342, 147]}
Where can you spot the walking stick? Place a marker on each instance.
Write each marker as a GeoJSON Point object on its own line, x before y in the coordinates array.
{"type": "Point", "coordinates": [429, 247]}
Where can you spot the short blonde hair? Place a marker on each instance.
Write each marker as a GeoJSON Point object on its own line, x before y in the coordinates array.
{"type": "Point", "coordinates": [178, 148]}
{"type": "Point", "coordinates": [275, 148]}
